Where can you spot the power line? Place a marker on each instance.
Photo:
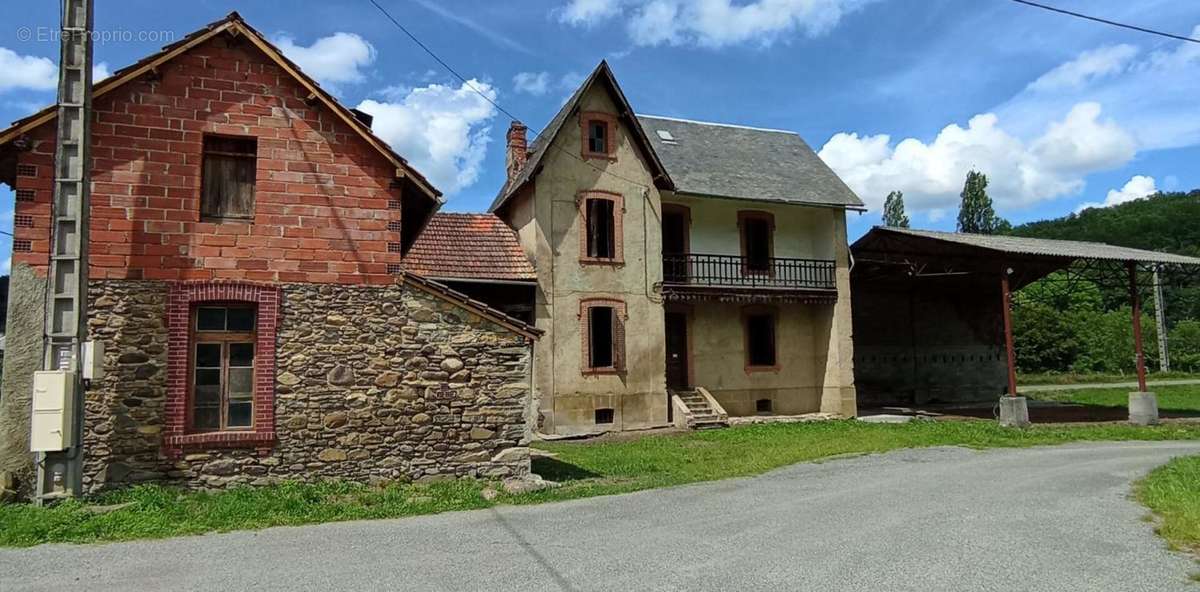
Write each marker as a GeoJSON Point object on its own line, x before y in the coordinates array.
{"type": "Point", "coordinates": [1107, 22]}
{"type": "Point", "coordinates": [498, 106]}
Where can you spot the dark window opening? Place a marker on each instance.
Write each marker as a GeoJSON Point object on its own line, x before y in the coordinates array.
{"type": "Point", "coordinates": [601, 337]}
{"type": "Point", "coordinates": [760, 339]}
{"type": "Point", "coordinates": [762, 406]}
{"type": "Point", "coordinates": [230, 169]}
{"type": "Point", "coordinates": [604, 416]}
{"type": "Point", "coordinates": [223, 368]}
{"type": "Point", "coordinates": [756, 238]}
{"type": "Point", "coordinates": [601, 229]}
{"type": "Point", "coordinates": [598, 137]}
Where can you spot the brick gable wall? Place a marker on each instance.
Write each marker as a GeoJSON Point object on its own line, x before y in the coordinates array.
{"type": "Point", "coordinates": [322, 208]}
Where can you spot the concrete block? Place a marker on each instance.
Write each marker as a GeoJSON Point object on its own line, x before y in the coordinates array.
{"type": "Point", "coordinates": [1014, 412]}
{"type": "Point", "coordinates": [1143, 409]}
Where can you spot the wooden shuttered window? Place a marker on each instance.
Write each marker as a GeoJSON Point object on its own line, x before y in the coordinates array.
{"type": "Point", "coordinates": [230, 170]}
{"type": "Point", "coordinates": [601, 226]}
{"type": "Point", "coordinates": [603, 336]}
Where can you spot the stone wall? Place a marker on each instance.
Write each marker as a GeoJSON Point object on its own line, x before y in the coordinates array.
{"type": "Point", "coordinates": [373, 384]}
{"type": "Point", "coordinates": [22, 356]}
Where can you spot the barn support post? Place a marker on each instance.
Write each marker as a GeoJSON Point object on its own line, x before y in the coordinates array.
{"type": "Point", "coordinates": [1143, 405]}
{"type": "Point", "coordinates": [1014, 409]}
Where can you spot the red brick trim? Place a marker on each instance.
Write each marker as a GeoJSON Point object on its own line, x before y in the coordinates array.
{"type": "Point", "coordinates": [742, 217]}
{"type": "Point", "coordinates": [758, 309]}
{"type": "Point", "coordinates": [618, 200]}
{"type": "Point", "coordinates": [585, 331]}
{"type": "Point", "coordinates": [610, 122]}
{"type": "Point", "coordinates": [185, 295]}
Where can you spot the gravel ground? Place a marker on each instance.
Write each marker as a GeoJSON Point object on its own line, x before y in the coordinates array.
{"type": "Point", "coordinates": [1054, 518]}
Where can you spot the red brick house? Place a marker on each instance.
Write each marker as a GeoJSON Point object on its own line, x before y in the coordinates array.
{"type": "Point", "coordinates": [246, 249]}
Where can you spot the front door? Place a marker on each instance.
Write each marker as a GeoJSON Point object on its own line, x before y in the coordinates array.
{"type": "Point", "coordinates": [677, 351]}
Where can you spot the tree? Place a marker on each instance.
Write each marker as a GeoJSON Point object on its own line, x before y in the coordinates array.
{"type": "Point", "coordinates": [893, 210]}
{"type": "Point", "coordinates": [976, 215]}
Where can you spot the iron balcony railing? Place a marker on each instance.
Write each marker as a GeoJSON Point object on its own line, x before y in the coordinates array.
{"type": "Point", "coordinates": [732, 271]}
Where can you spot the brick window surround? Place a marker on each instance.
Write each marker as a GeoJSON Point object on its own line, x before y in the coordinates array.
{"type": "Point", "coordinates": [585, 332]}
{"type": "Point", "coordinates": [184, 296]}
{"type": "Point", "coordinates": [742, 217]}
{"type": "Point", "coordinates": [586, 119]}
{"type": "Point", "coordinates": [760, 310]}
{"type": "Point", "coordinates": [618, 228]}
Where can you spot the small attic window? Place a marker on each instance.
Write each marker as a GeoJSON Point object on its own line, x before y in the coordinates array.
{"type": "Point", "coordinates": [665, 136]}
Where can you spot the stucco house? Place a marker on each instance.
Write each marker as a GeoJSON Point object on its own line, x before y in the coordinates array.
{"type": "Point", "coordinates": [246, 248]}
{"type": "Point", "coordinates": [684, 270]}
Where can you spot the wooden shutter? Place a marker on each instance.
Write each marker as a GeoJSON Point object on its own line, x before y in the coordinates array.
{"type": "Point", "coordinates": [230, 169]}
{"type": "Point", "coordinates": [618, 338]}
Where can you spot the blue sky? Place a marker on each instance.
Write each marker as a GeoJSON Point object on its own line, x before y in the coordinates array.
{"type": "Point", "coordinates": [894, 94]}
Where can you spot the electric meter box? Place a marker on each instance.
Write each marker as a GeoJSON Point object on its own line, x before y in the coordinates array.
{"type": "Point", "coordinates": [51, 428]}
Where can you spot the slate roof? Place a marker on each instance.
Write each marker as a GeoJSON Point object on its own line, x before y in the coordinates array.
{"type": "Point", "coordinates": [720, 160]}
{"type": "Point", "coordinates": [1038, 247]}
{"type": "Point", "coordinates": [469, 247]}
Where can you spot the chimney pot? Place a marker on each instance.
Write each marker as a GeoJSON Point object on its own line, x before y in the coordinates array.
{"type": "Point", "coordinates": [518, 148]}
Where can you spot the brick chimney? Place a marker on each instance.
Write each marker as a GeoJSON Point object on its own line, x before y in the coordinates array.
{"type": "Point", "coordinates": [518, 148]}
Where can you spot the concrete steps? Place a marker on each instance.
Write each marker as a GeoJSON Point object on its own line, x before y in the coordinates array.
{"type": "Point", "coordinates": [699, 410]}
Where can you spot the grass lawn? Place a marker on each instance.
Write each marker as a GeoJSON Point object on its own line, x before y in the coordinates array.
{"type": "Point", "coordinates": [1173, 492]}
{"type": "Point", "coordinates": [1072, 378]}
{"type": "Point", "coordinates": [584, 468]}
{"type": "Point", "coordinates": [1178, 398]}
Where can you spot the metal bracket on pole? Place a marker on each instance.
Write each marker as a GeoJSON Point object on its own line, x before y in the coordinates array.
{"type": "Point", "coordinates": [60, 473]}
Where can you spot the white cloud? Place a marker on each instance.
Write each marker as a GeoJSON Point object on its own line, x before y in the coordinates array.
{"type": "Point", "coordinates": [1137, 187]}
{"type": "Point", "coordinates": [586, 13]}
{"type": "Point", "coordinates": [1153, 94]}
{"type": "Point", "coordinates": [540, 83]}
{"type": "Point", "coordinates": [26, 72]}
{"type": "Point", "coordinates": [1090, 65]}
{"type": "Point", "coordinates": [442, 130]}
{"type": "Point", "coordinates": [333, 60]}
{"type": "Point", "coordinates": [533, 83]}
{"type": "Point", "coordinates": [100, 72]}
{"type": "Point", "coordinates": [713, 23]}
{"type": "Point", "coordinates": [1020, 173]}
{"type": "Point", "coordinates": [484, 30]}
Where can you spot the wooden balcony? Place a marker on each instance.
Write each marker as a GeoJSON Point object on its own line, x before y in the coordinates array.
{"type": "Point", "coordinates": [694, 276]}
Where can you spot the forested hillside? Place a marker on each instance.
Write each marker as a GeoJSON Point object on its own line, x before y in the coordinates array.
{"type": "Point", "coordinates": [1089, 329]}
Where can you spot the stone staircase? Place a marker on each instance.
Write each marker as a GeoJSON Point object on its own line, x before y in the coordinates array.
{"type": "Point", "coordinates": [696, 409]}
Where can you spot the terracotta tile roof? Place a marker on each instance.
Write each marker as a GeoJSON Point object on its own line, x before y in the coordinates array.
{"type": "Point", "coordinates": [469, 246]}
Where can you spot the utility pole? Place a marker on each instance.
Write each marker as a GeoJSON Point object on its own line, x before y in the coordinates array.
{"type": "Point", "coordinates": [60, 472]}
{"type": "Point", "coordinates": [1160, 318]}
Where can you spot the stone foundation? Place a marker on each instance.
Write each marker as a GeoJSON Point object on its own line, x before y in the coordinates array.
{"type": "Point", "coordinates": [372, 384]}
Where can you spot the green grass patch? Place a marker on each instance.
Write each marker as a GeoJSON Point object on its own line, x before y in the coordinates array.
{"type": "Point", "coordinates": [1172, 491]}
{"type": "Point", "coordinates": [584, 468]}
{"type": "Point", "coordinates": [1177, 398]}
{"type": "Point", "coordinates": [1073, 378]}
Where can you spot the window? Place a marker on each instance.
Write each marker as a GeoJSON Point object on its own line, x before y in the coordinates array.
{"type": "Point", "coordinates": [604, 416]}
{"type": "Point", "coordinates": [230, 168]}
{"type": "Point", "coordinates": [603, 329]}
{"type": "Point", "coordinates": [757, 229]}
{"type": "Point", "coordinates": [762, 406]}
{"type": "Point", "coordinates": [600, 232]}
{"type": "Point", "coordinates": [598, 130]}
{"type": "Point", "coordinates": [600, 323]}
{"type": "Point", "coordinates": [598, 137]}
{"type": "Point", "coordinates": [223, 368]}
{"type": "Point", "coordinates": [600, 239]}
{"type": "Point", "coordinates": [760, 340]}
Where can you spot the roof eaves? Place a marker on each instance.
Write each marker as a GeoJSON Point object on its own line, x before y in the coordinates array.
{"type": "Point", "coordinates": [447, 294]}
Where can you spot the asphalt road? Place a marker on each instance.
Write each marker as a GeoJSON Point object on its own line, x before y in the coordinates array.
{"type": "Point", "coordinates": [941, 519]}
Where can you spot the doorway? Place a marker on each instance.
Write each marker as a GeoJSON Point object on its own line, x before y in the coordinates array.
{"type": "Point", "coordinates": [675, 243]}
{"type": "Point", "coordinates": [677, 351]}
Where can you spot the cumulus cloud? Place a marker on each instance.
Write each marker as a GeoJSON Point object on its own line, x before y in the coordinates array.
{"type": "Point", "coordinates": [100, 72]}
{"type": "Point", "coordinates": [1090, 65]}
{"type": "Point", "coordinates": [1020, 172]}
{"type": "Point", "coordinates": [533, 83]}
{"type": "Point", "coordinates": [1137, 187]}
{"type": "Point", "coordinates": [713, 23]}
{"type": "Point", "coordinates": [441, 129]}
{"type": "Point", "coordinates": [26, 72]}
{"type": "Point", "coordinates": [334, 60]}
{"type": "Point", "coordinates": [586, 13]}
